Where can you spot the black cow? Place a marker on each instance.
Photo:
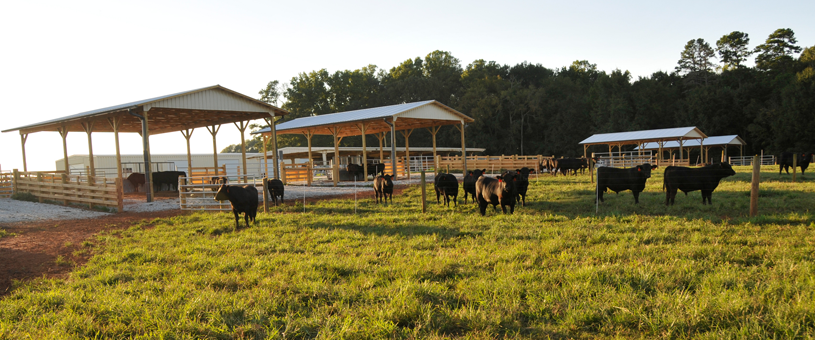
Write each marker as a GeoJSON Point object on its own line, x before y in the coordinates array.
{"type": "Point", "coordinates": [383, 187]}
{"type": "Point", "coordinates": [355, 170]}
{"type": "Point", "coordinates": [495, 191]}
{"type": "Point", "coordinates": [623, 179]}
{"type": "Point", "coordinates": [705, 179]}
{"type": "Point", "coordinates": [244, 199]}
{"type": "Point", "coordinates": [218, 180]}
{"type": "Point", "coordinates": [374, 169]}
{"type": "Point", "coordinates": [469, 183]}
{"type": "Point", "coordinates": [522, 184]}
{"type": "Point", "coordinates": [168, 178]}
{"type": "Point", "coordinates": [785, 161]}
{"type": "Point", "coordinates": [446, 185]}
{"type": "Point", "coordinates": [136, 179]}
{"type": "Point", "coordinates": [566, 165]}
{"type": "Point", "coordinates": [276, 188]}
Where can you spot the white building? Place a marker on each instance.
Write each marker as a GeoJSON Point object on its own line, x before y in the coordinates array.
{"type": "Point", "coordinates": [106, 164]}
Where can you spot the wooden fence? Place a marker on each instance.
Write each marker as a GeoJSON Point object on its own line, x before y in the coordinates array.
{"type": "Point", "coordinates": [400, 167]}
{"type": "Point", "coordinates": [90, 190]}
{"type": "Point", "coordinates": [204, 173]}
{"type": "Point", "coordinates": [491, 162]}
{"type": "Point", "coordinates": [297, 173]}
{"type": "Point", "coordinates": [6, 184]}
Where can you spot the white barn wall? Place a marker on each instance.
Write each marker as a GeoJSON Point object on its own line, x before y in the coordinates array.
{"type": "Point", "coordinates": [107, 163]}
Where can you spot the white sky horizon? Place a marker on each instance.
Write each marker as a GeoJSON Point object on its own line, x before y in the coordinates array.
{"type": "Point", "coordinates": [61, 58]}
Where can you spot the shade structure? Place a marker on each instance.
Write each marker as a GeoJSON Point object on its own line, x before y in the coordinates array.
{"type": "Point", "coordinates": [728, 140]}
{"type": "Point", "coordinates": [645, 136]}
{"type": "Point", "coordinates": [183, 111]}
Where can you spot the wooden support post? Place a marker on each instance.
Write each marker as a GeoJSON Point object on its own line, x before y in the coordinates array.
{"type": "Point", "coordinates": [242, 128]}
{"type": "Point", "coordinates": [265, 157]}
{"type": "Point", "coordinates": [362, 127]}
{"type": "Point", "coordinates": [335, 131]}
{"type": "Point", "coordinates": [591, 167]}
{"type": "Point", "coordinates": [88, 127]}
{"type": "Point", "coordinates": [63, 132]}
{"type": "Point", "coordinates": [754, 187]}
{"type": "Point", "coordinates": [23, 139]}
{"type": "Point", "coordinates": [119, 193]}
{"type": "Point", "coordinates": [273, 137]}
{"type": "Point", "coordinates": [433, 131]}
{"type": "Point", "coordinates": [309, 134]}
{"type": "Point", "coordinates": [463, 148]}
{"type": "Point", "coordinates": [187, 134]}
{"type": "Point", "coordinates": [406, 134]}
{"type": "Point", "coordinates": [381, 137]}
{"type": "Point", "coordinates": [794, 165]}
{"type": "Point", "coordinates": [424, 195]}
{"type": "Point", "coordinates": [265, 194]}
{"type": "Point", "coordinates": [14, 186]}
{"type": "Point", "coordinates": [213, 130]}
{"type": "Point", "coordinates": [115, 122]}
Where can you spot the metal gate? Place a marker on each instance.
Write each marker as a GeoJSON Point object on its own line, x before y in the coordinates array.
{"type": "Point", "coordinates": [198, 193]}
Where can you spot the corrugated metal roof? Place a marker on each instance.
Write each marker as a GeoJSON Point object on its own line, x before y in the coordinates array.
{"type": "Point", "coordinates": [360, 115]}
{"type": "Point", "coordinates": [710, 141]}
{"type": "Point", "coordinates": [147, 102]}
{"type": "Point", "coordinates": [672, 133]}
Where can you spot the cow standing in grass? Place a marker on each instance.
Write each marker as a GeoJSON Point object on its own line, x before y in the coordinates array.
{"type": "Point", "coordinates": [383, 187]}
{"type": "Point", "coordinates": [785, 161]}
{"type": "Point", "coordinates": [469, 183]}
{"type": "Point", "coordinates": [275, 189]}
{"type": "Point", "coordinates": [244, 199]}
{"type": "Point", "coordinates": [705, 179]}
{"type": "Point", "coordinates": [446, 185]}
{"type": "Point", "coordinates": [623, 179]}
{"type": "Point", "coordinates": [495, 191]}
{"type": "Point", "coordinates": [522, 184]}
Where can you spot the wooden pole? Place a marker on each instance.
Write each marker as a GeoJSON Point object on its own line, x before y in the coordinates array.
{"type": "Point", "coordinates": [335, 132]}
{"type": "Point", "coordinates": [23, 138]}
{"type": "Point", "coordinates": [794, 165]}
{"type": "Point", "coordinates": [88, 127]}
{"type": "Point", "coordinates": [274, 149]}
{"type": "Point", "coordinates": [433, 131]}
{"type": "Point", "coordinates": [213, 130]}
{"type": "Point", "coordinates": [463, 148]}
{"type": "Point", "coordinates": [114, 123]}
{"type": "Point", "coordinates": [591, 168]}
{"type": "Point", "coordinates": [265, 194]}
{"type": "Point", "coordinates": [362, 128]}
{"type": "Point", "coordinates": [406, 134]}
{"type": "Point", "coordinates": [265, 157]}
{"type": "Point", "coordinates": [63, 132]}
{"type": "Point", "coordinates": [242, 128]}
{"type": "Point", "coordinates": [381, 137]}
{"type": "Point", "coordinates": [424, 195]}
{"type": "Point", "coordinates": [310, 162]}
{"type": "Point", "coordinates": [187, 134]}
{"type": "Point", "coordinates": [754, 186]}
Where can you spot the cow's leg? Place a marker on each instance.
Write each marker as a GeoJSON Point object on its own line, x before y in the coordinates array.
{"type": "Point", "coordinates": [636, 197]}
{"type": "Point", "coordinates": [482, 206]}
{"type": "Point", "coordinates": [237, 219]}
{"type": "Point", "coordinates": [246, 218]}
{"type": "Point", "coordinates": [455, 200]}
{"type": "Point", "coordinates": [600, 191]}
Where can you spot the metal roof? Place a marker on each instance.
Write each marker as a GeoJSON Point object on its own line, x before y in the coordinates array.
{"type": "Point", "coordinates": [636, 137]}
{"type": "Point", "coordinates": [257, 104]}
{"type": "Point", "coordinates": [710, 141]}
{"type": "Point", "coordinates": [375, 113]}
{"type": "Point", "coordinates": [319, 150]}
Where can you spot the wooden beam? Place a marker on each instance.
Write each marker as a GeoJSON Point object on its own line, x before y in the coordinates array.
{"type": "Point", "coordinates": [63, 132]}
{"type": "Point", "coordinates": [406, 134]}
{"type": "Point", "coordinates": [23, 139]}
{"type": "Point", "coordinates": [187, 134]}
{"type": "Point", "coordinates": [214, 131]}
{"type": "Point", "coordinates": [242, 128]}
{"type": "Point", "coordinates": [88, 127]}
{"type": "Point", "coordinates": [273, 137]}
{"type": "Point", "coordinates": [336, 155]}
{"type": "Point", "coordinates": [114, 122]}
{"type": "Point", "coordinates": [433, 131]}
{"type": "Point", "coordinates": [265, 157]}
{"type": "Point", "coordinates": [463, 148]}
{"type": "Point", "coordinates": [362, 127]}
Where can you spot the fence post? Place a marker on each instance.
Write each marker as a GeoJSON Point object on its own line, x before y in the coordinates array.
{"type": "Point", "coordinates": [120, 194]}
{"type": "Point", "coordinates": [794, 165]}
{"type": "Point", "coordinates": [65, 181]}
{"type": "Point", "coordinates": [14, 185]}
{"type": "Point", "coordinates": [265, 194]}
{"type": "Point", "coordinates": [424, 197]}
{"type": "Point", "coordinates": [754, 187]}
{"type": "Point", "coordinates": [591, 168]}
{"type": "Point", "coordinates": [39, 180]}
{"type": "Point", "coordinates": [448, 168]}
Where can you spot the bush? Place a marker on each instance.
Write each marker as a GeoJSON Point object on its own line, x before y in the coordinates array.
{"type": "Point", "coordinates": [25, 196]}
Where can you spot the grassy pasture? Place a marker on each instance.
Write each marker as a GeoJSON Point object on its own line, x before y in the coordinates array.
{"type": "Point", "coordinates": [554, 269]}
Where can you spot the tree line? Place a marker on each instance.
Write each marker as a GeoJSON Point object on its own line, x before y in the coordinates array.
{"type": "Point", "coordinates": [531, 109]}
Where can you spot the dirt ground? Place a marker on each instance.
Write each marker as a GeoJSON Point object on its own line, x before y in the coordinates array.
{"type": "Point", "coordinates": [34, 251]}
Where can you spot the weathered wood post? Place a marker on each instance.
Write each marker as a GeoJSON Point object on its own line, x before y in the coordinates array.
{"type": "Point", "coordinates": [424, 195]}
{"type": "Point", "coordinates": [265, 194]}
{"type": "Point", "coordinates": [23, 138]}
{"type": "Point", "coordinates": [14, 186]}
{"type": "Point", "coordinates": [119, 194]}
{"type": "Point", "coordinates": [214, 131]}
{"type": "Point", "coordinates": [242, 128]}
{"type": "Point", "coordinates": [794, 165]}
{"type": "Point", "coordinates": [754, 186]}
{"type": "Point", "coordinates": [591, 168]}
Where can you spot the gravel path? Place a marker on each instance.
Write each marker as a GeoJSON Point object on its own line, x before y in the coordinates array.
{"type": "Point", "coordinates": [18, 211]}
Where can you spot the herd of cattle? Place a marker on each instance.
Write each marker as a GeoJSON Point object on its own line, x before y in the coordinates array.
{"type": "Point", "coordinates": [505, 190]}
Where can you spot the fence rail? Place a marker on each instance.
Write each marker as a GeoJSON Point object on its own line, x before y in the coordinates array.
{"type": "Point", "coordinates": [195, 193]}
{"type": "Point", "coordinates": [748, 160]}
{"type": "Point", "coordinates": [6, 184]}
{"type": "Point", "coordinates": [90, 190]}
{"type": "Point", "coordinates": [489, 162]}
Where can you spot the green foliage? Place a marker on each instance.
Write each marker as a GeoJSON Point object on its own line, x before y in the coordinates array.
{"type": "Point", "coordinates": [25, 196]}
{"type": "Point", "coordinates": [732, 49]}
{"type": "Point", "coordinates": [4, 233]}
{"type": "Point", "coordinates": [696, 57]}
{"type": "Point", "coordinates": [553, 268]}
{"type": "Point", "coordinates": [776, 52]}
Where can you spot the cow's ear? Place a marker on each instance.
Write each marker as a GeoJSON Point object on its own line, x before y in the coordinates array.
{"type": "Point", "coordinates": [639, 168]}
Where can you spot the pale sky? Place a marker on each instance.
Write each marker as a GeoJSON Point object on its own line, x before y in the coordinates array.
{"type": "Point", "coordinates": [59, 58]}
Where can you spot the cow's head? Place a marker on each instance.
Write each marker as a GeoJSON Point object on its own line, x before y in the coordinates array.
{"type": "Point", "coordinates": [388, 179]}
{"type": "Point", "coordinates": [724, 170]}
{"type": "Point", "coordinates": [223, 193]}
{"type": "Point", "coordinates": [478, 173]}
{"type": "Point", "coordinates": [644, 170]}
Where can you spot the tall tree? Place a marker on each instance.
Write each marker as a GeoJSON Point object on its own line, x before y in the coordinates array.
{"type": "Point", "coordinates": [732, 49]}
{"type": "Point", "coordinates": [696, 57]}
{"type": "Point", "coordinates": [273, 93]}
{"type": "Point", "coordinates": [776, 52]}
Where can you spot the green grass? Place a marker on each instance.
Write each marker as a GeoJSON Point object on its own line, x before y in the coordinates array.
{"type": "Point", "coordinates": [553, 269]}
